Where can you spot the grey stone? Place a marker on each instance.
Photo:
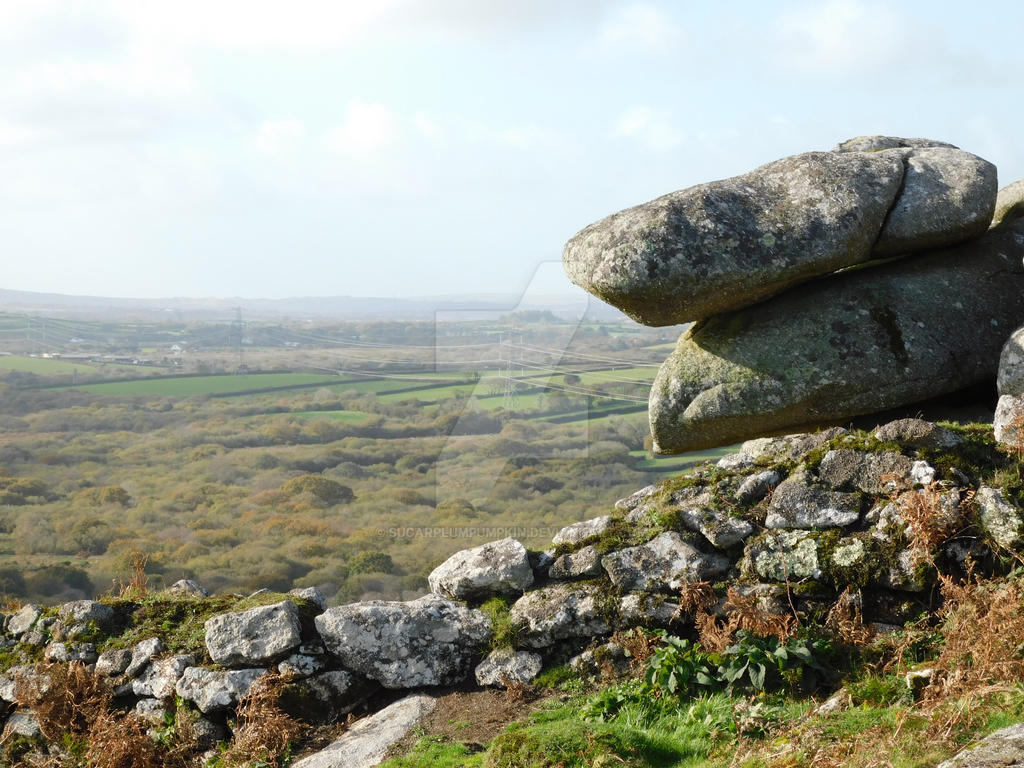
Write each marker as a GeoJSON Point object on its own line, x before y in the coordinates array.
{"type": "Point", "coordinates": [151, 710]}
{"type": "Point", "coordinates": [337, 692]}
{"type": "Point", "coordinates": [505, 666]}
{"type": "Point", "coordinates": [860, 342]}
{"type": "Point", "coordinates": [424, 642]}
{"type": "Point", "coordinates": [917, 433]}
{"type": "Point", "coordinates": [143, 653]}
{"type": "Point", "coordinates": [82, 611]}
{"type": "Point", "coordinates": [583, 562]}
{"type": "Point", "coordinates": [366, 742]}
{"type": "Point", "coordinates": [636, 498]}
{"type": "Point", "coordinates": [188, 588]}
{"type": "Point", "coordinates": [84, 653]}
{"type": "Point", "coordinates": [663, 564]}
{"type": "Point", "coordinates": [1002, 521]}
{"type": "Point", "coordinates": [312, 594]}
{"type": "Point", "coordinates": [497, 568]}
{"type": "Point", "coordinates": [208, 733]}
{"type": "Point", "coordinates": [577, 532]}
{"type": "Point", "coordinates": [793, 447]}
{"type": "Point", "coordinates": [646, 610]}
{"type": "Point", "coordinates": [1010, 378]}
{"type": "Point", "coordinates": [922, 473]}
{"type": "Point", "coordinates": [22, 621]}
{"type": "Point", "coordinates": [727, 244]}
{"type": "Point", "coordinates": [301, 665]}
{"type": "Point", "coordinates": [733, 461]}
{"type": "Point", "coordinates": [719, 528]}
{"type": "Point", "coordinates": [19, 676]}
{"type": "Point", "coordinates": [784, 556]}
{"type": "Point", "coordinates": [214, 690]}
{"type": "Point", "coordinates": [1003, 748]}
{"type": "Point", "coordinates": [879, 473]}
{"type": "Point", "coordinates": [114, 662]}
{"type": "Point", "coordinates": [903, 574]}
{"type": "Point", "coordinates": [55, 652]}
{"type": "Point", "coordinates": [797, 504]}
{"type": "Point", "coordinates": [23, 723]}
{"type": "Point", "coordinates": [1008, 420]}
{"type": "Point", "coordinates": [1009, 203]}
{"type": "Point", "coordinates": [159, 679]}
{"type": "Point", "coordinates": [558, 612]}
{"type": "Point", "coordinates": [608, 660]}
{"type": "Point", "coordinates": [255, 636]}
{"type": "Point", "coordinates": [755, 487]}
{"type": "Point", "coordinates": [948, 196]}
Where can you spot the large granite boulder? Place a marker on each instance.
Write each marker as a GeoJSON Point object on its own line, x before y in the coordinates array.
{"type": "Point", "coordinates": [723, 245]}
{"type": "Point", "coordinates": [429, 641]}
{"type": "Point", "coordinates": [859, 343]}
{"type": "Point", "coordinates": [255, 636]}
{"type": "Point", "coordinates": [497, 568]}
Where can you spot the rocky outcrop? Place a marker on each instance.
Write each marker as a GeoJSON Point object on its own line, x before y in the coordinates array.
{"type": "Point", "coordinates": [724, 245]}
{"type": "Point", "coordinates": [823, 286]}
{"type": "Point", "coordinates": [859, 343]}
{"type": "Point", "coordinates": [424, 642]}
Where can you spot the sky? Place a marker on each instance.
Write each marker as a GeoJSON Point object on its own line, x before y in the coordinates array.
{"type": "Point", "coordinates": [248, 148]}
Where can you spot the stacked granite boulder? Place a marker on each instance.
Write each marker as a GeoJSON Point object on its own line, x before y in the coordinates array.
{"type": "Point", "coordinates": [823, 286]}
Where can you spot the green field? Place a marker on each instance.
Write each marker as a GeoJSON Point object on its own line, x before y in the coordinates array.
{"type": "Point", "coordinates": [40, 365]}
{"type": "Point", "coordinates": [188, 386]}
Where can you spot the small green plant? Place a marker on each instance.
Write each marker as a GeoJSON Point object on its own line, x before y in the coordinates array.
{"type": "Point", "coordinates": [678, 667]}
{"type": "Point", "coordinates": [766, 663]}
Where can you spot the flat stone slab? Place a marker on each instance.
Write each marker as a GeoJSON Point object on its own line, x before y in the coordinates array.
{"type": "Point", "coordinates": [1003, 748]}
{"type": "Point", "coordinates": [727, 244]}
{"type": "Point", "coordinates": [857, 343]}
{"type": "Point", "coordinates": [366, 742]}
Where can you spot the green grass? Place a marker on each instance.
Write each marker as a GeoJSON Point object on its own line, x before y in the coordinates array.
{"type": "Point", "coordinates": [188, 386]}
{"type": "Point", "coordinates": [437, 752]}
{"type": "Point", "coordinates": [40, 365]}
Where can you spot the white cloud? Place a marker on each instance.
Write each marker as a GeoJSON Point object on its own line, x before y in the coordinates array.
{"type": "Point", "coordinates": [278, 138]}
{"type": "Point", "coordinates": [427, 126]}
{"type": "Point", "coordinates": [652, 128]}
{"type": "Point", "coordinates": [367, 128]}
{"type": "Point", "coordinates": [868, 38]}
{"type": "Point", "coordinates": [521, 137]}
{"type": "Point", "coordinates": [640, 27]}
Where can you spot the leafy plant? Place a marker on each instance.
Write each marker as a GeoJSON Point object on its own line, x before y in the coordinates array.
{"type": "Point", "coordinates": [677, 667]}
{"type": "Point", "coordinates": [766, 663]}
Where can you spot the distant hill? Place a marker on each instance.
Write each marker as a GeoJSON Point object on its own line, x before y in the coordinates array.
{"type": "Point", "coordinates": [313, 307]}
